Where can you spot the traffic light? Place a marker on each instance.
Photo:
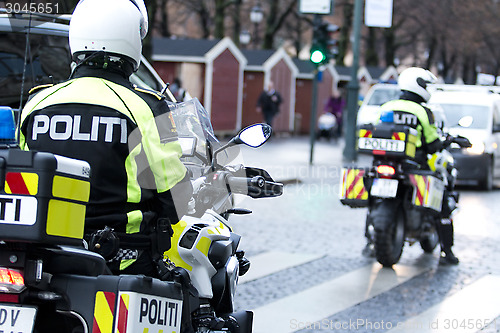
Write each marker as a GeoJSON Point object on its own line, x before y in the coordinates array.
{"type": "Point", "coordinates": [319, 54]}
{"type": "Point", "coordinates": [323, 46]}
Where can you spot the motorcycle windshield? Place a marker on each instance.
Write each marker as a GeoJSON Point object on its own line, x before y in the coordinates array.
{"type": "Point", "coordinates": [198, 142]}
{"type": "Point", "coordinates": [195, 132]}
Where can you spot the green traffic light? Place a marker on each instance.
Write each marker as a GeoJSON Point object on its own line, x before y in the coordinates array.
{"type": "Point", "coordinates": [317, 56]}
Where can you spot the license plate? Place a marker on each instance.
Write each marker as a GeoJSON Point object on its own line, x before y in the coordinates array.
{"type": "Point", "coordinates": [16, 318]}
{"type": "Point", "coordinates": [381, 144]}
{"type": "Point", "coordinates": [384, 188]}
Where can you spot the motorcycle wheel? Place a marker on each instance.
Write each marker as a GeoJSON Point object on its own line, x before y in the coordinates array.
{"type": "Point", "coordinates": [429, 243]}
{"type": "Point", "coordinates": [389, 225]}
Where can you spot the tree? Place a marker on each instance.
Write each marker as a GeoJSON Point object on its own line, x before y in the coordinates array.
{"type": "Point", "coordinates": [164, 20]}
{"type": "Point", "coordinates": [198, 11]}
{"type": "Point", "coordinates": [371, 54]}
{"type": "Point", "coordinates": [275, 19]}
{"type": "Point", "coordinates": [348, 15]}
{"type": "Point", "coordinates": [454, 37]}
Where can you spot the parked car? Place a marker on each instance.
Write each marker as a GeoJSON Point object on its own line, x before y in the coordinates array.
{"type": "Point", "coordinates": [378, 94]}
{"type": "Point", "coordinates": [46, 60]}
{"type": "Point", "coordinates": [476, 116]}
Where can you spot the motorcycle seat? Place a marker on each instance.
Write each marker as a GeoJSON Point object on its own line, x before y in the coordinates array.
{"type": "Point", "coordinates": [73, 260]}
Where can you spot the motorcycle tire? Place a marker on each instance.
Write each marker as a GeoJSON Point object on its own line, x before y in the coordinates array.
{"type": "Point", "coordinates": [389, 225]}
{"type": "Point", "coordinates": [429, 243]}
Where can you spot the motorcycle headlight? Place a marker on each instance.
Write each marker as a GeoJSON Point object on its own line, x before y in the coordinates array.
{"type": "Point", "coordinates": [477, 148]}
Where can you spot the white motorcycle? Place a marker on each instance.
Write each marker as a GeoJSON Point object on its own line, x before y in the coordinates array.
{"type": "Point", "coordinates": [50, 282]}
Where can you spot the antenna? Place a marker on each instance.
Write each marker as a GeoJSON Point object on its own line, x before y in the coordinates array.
{"type": "Point", "coordinates": [27, 51]}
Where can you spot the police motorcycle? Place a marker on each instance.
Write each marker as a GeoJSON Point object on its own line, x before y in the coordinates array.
{"type": "Point", "coordinates": [405, 201]}
{"type": "Point", "coordinates": [51, 282]}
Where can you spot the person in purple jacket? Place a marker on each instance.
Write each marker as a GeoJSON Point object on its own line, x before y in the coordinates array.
{"type": "Point", "coordinates": [335, 105]}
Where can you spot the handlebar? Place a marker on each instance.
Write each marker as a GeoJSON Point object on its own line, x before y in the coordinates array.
{"type": "Point", "coordinates": [255, 187]}
{"type": "Point", "coordinates": [460, 140]}
{"type": "Point", "coordinates": [244, 182]}
{"type": "Point", "coordinates": [213, 191]}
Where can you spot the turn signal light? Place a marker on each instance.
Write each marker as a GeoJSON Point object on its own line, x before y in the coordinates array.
{"type": "Point", "coordinates": [11, 280]}
{"type": "Point", "coordinates": [386, 170]}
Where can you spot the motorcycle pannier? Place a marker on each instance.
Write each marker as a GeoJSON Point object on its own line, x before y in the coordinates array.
{"type": "Point", "coordinates": [42, 197]}
{"type": "Point", "coordinates": [387, 139]}
{"type": "Point", "coordinates": [427, 190]}
{"type": "Point", "coordinates": [353, 191]}
{"type": "Point", "coordinates": [124, 303]}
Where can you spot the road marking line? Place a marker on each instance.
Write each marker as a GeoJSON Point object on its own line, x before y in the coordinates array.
{"type": "Point", "coordinates": [274, 261]}
{"type": "Point", "coordinates": [468, 310]}
{"type": "Point", "coordinates": [321, 301]}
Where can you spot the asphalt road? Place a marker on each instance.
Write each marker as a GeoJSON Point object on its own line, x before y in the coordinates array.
{"type": "Point", "coordinates": [308, 274]}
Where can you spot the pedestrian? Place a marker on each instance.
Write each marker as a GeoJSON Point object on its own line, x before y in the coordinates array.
{"type": "Point", "coordinates": [180, 94]}
{"type": "Point", "coordinates": [335, 105]}
{"type": "Point", "coordinates": [269, 103]}
{"type": "Point", "coordinates": [136, 169]}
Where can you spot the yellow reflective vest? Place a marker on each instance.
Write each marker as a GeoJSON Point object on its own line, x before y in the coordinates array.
{"type": "Point", "coordinates": [422, 121]}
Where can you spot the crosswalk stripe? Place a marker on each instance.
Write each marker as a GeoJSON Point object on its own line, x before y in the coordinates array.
{"type": "Point", "coordinates": [291, 313]}
{"type": "Point", "coordinates": [274, 261]}
{"type": "Point", "coordinates": [468, 310]}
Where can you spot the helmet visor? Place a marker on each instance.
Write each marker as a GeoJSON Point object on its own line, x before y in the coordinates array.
{"type": "Point", "coordinates": [144, 13]}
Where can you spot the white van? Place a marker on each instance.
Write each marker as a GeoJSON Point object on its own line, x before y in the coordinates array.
{"type": "Point", "coordinates": [476, 116]}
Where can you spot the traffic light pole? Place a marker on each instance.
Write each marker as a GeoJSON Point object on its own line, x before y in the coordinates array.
{"type": "Point", "coordinates": [350, 154]}
{"type": "Point", "coordinates": [314, 103]}
{"type": "Point", "coordinates": [320, 54]}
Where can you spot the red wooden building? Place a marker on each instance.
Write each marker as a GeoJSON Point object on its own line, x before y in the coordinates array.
{"type": "Point", "coordinates": [264, 66]}
{"type": "Point", "coordinates": [210, 70]}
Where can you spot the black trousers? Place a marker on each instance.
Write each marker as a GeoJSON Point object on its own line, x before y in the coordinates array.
{"type": "Point", "coordinates": [445, 226]}
{"type": "Point", "coordinates": [445, 231]}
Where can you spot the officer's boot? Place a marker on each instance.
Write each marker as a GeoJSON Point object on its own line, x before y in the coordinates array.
{"type": "Point", "coordinates": [445, 230]}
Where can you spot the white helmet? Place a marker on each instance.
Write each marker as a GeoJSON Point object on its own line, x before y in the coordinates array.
{"type": "Point", "coordinates": [116, 27]}
{"type": "Point", "coordinates": [415, 80]}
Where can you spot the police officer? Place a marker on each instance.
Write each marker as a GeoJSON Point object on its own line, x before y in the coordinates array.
{"type": "Point", "coordinates": [138, 183]}
{"type": "Point", "coordinates": [408, 110]}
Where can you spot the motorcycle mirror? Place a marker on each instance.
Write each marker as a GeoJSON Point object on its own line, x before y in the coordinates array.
{"type": "Point", "coordinates": [466, 121]}
{"type": "Point", "coordinates": [254, 135]}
